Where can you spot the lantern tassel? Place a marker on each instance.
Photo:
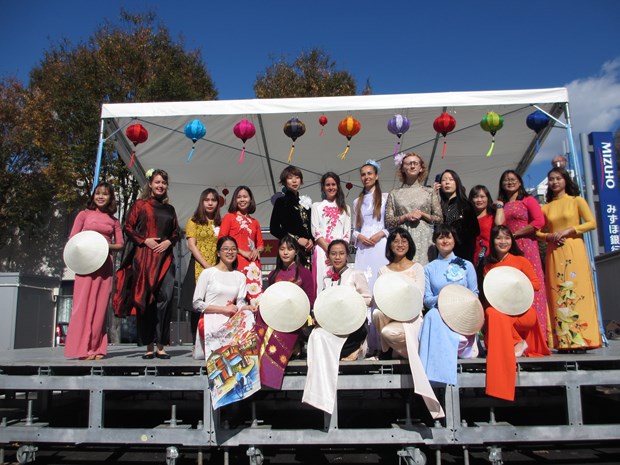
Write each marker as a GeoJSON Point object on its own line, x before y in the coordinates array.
{"type": "Point", "coordinates": [491, 148]}
{"type": "Point", "coordinates": [133, 155]}
{"type": "Point", "coordinates": [241, 156]}
{"type": "Point", "coordinates": [537, 143]}
{"type": "Point", "coordinates": [191, 153]}
{"type": "Point", "coordinates": [443, 152]}
{"type": "Point", "coordinates": [396, 147]}
{"type": "Point", "coordinates": [322, 132]}
{"type": "Point", "coordinates": [290, 155]}
{"type": "Point", "coordinates": [343, 155]}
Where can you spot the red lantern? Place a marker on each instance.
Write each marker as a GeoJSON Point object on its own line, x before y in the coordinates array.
{"type": "Point", "coordinates": [137, 134]}
{"type": "Point", "coordinates": [225, 191]}
{"type": "Point", "coordinates": [444, 124]}
{"type": "Point", "coordinates": [244, 130]}
{"type": "Point", "coordinates": [348, 127]}
{"type": "Point", "coordinates": [322, 122]}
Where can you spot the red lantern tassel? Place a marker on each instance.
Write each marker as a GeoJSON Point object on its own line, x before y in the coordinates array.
{"type": "Point", "coordinates": [241, 156]}
{"type": "Point", "coordinates": [322, 132]}
{"type": "Point", "coordinates": [290, 155]}
{"type": "Point", "coordinates": [133, 155]}
{"type": "Point", "coordinates": [443, 152]}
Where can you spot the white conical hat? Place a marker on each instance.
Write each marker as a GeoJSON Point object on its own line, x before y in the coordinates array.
{"type": "Point", "coordinates": [397, 296]}
{"type": "Point", "coordinates": [460, 309]}
{"type": "Point", "coordinates": [508, 290]}
{"type": "Point", "coordinates": [340, 310]}
{"type": "Point", "coordinates": [86, 252]}
{"type": "Point", "coordinates": [284, 306]}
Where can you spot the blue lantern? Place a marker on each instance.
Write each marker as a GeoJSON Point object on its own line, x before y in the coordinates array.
{"type": "Point", "coordinates": [537, 121]}
{"type": "Point", "coordinates": [194, 130]}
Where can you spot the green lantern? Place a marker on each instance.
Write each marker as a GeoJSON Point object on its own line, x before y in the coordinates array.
{"type": "Point", "coordinates": [492, 122]}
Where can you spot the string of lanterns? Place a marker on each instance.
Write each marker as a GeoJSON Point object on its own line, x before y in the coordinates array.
{"type": "Point", "coordinates": [348, 127]}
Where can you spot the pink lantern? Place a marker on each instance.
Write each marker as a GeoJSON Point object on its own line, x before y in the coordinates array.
{"type": "Point", "coordinates": [244, 130]}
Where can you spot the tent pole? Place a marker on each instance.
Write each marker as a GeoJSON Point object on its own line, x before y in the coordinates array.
{"type": "Point", "coordinates": [267, 157]}
{"type": "Point", "coordinates": [99, 156]}
{"type": "Point", "coordinates": [588, 236]}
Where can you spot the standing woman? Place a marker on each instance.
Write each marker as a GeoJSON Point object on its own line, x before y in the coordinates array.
{"type": "Point", "coordinates": [459, 213]}
{"type": "Point", "coordinates": [86, 335]}
{"type": "Point", "coordinates": [291, 214]}
{"type": "Point", "coordinates": [481, 199]}
{"type": "Point", "coordinates": [507, 336]}
{"type": "Point", "coordinates": [369, 231]}
{"type": "Point", "coordinates": [202, 230]}
{"type": "Point", "coordinates": [570, 288]}
{"type": "Point", "coordinates": [238, 224]}
{"type": "Point", "coordinates": [331, 219]}
{"type": "Point", "coordinates": [521, 213]}
{"type": "Point", "coordinates": [413, 205]}
{"type": "Point", "coordinates": [145, 279]}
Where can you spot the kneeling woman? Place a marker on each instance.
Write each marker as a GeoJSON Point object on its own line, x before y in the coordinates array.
{"type": "Point", "coordinates": [340, 274]}
{"type": "Point", "coordinates": [508, 336]}
{"type": "Point", "coordinates": [220, 293]}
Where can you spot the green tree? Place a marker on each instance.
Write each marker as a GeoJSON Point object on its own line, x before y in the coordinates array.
{"type": "Point", "coordinates": [50, 129]}
{"type": "Point", "coordinates": [312, 74]}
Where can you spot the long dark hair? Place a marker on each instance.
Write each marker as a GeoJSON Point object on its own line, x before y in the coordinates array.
{"type": "Point", "coordinates": [493, 257]}
{"type": "Point", "coordinates": [376, 200]}
{"type": "Point", "coordinates": [461, 197]}
{"type": "Point", "coordinates": [292, 243]}
{"type": "Point", "coordinates": [233, 208]}
{"type": "Point", "coordinates": [475, 190]}
{"type": "Point", "coordinates": [147, 192]}
{"type": "Point", "coordinates": [110, 208]}
{"type": "Point", "coordinates": [218, 246]}
{"type": "Point", "coordinates": [200, 215]}
{"type": "Point", "coordinates": [571, 186]}
{"type": "Point", "coordinates": [501, 195]}
{"type": "Point", "coordinates": [402, 232]}
{"type": "Point", "coordinates": [340, 202]}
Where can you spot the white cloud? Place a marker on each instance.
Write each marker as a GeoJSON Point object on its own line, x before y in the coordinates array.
{"type": "Point", "coordinates": [594, 107]}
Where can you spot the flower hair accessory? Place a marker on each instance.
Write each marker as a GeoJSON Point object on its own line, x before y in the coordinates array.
{"type": "Point", "coordinates": [398, 159]}
{"type": "Point", "coordinates": [149, 173]}
{"type": "Point", "coordinates": [374, 163]}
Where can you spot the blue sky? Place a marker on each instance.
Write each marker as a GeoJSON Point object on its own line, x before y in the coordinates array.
{"type": "Point", "coordinates": [401, 47]}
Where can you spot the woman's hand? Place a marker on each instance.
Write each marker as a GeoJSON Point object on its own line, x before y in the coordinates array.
{"type": "Point", "coordinates": [306, 244]}
{"type": "Point", "coordinates": [151, 242]}
{"type": "Point", "coordinates": [156, 246]}
{"type": "Point", "coordinates": [230, 309]}
{"type": "Point", "coordinates": [367, 241]}
{"type": "Point", "coordinates": [254, 255]}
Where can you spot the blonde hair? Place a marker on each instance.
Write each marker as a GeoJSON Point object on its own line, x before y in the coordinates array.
{"type": "Point", "coordinates": [423, 171]}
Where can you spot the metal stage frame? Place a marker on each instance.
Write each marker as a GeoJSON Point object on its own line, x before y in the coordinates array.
{"type": "Point", "coordinates": [46, 399]}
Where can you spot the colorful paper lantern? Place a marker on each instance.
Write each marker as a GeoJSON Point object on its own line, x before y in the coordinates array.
{"type": "Point", "coordinates": [398, 125]}
{"type": "Point", "coordinates": [194, 130]}
{"type": "Point", "coordinates": [294, 128]}
{"type": "Point", "coordinates": [137, 134]}
{"type": "Point", "coordinates": [348, 127]}
{"type": "Point", "coordinates": [322, 122]}
{"type": "Point", "coordinates": [244, 130]}
{"type": "Point", "coordinates": [492, 122]}
{"type": "Point", "coordinates": [537, 121]}
{"type": "Point", "coordinates": [444, 124]}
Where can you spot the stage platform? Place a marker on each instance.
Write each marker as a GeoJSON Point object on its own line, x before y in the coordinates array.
{"type": "Point", "coordinates": [123, 399]}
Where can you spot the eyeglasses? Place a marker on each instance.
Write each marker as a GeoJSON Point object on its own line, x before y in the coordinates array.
{"type": "Point", "coordinates": [228, 249]}
{"type": "Point", "coordinates": [510, 180]}
{"type": "Point", "coordinates": [411, 163]}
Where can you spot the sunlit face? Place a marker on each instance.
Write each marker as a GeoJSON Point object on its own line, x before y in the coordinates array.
{"type": "Point", "coordinates": [227, 253]}
{"type": "Point", "coordinates": [287, 254]}
{"type": "Point", "coordinates": [210, 204]}
{"type": "Point", "coordinates": [338, 256]}
{"type": "Point", "coordinates": [399, 247]}
{"type": "Point", "coordinates": [102, 197]}
{"type": "Point", "coordinates": [502, 243]}
{"type": "Point", "coordinates": [159, 186]}
{"type": "Point", "coordinates": [330, 188]}
{"type": "Point", "coordinates": [480, 201]}
{"type": "Point", "coordinates": [368, 176]}
{"type": "Point", "coordinates": [448, 184]}
{"type": "Point", "coordinates": [445, 244]}
{"type": "Point", "coordinates": [243, 200]}
{"type": "Point", "coordinates": [293, 182]}
{"type": "Point", "coordinates": [557, 183]}
{"type": "Point", "coordinates": [412, 167]}
{"type": "Point", "coordinates": [510, 183]}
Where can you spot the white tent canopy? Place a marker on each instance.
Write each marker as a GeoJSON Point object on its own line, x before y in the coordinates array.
{"type": "Point", "coordinates": [214, 162]}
